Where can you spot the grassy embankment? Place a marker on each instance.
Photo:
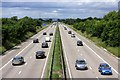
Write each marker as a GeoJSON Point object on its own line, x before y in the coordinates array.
{"type": "Point", "coordinates": [54, 65]}
{"type": "Point", "coordinates": [99, 42]}
{"type": "Point", "coordinates": [16, 42]}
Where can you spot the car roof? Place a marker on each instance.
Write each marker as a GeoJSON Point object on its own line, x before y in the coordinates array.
{"type": "Point", "coordinates": [80, 60]}
{"type": "Point", "coordinates": [40, 52]}
{"type": "Point", "coordinates": [104, 64]}
{"type": "Point", "coordinates": [18, 57]}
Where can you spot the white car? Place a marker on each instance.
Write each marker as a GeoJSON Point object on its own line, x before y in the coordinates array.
{"type": "Point", "coordinates": [47, 39]}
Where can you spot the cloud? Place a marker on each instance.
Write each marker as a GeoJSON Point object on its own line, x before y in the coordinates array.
{"type": "Point", "coordinates": [57, 10]}
{"type": "Point", "coordinates": [59, 0]}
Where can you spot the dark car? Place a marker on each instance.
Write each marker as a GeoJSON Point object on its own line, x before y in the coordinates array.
{"type": "Point", "coordinates": [69, 32]}
{"type": "Point", "coordinates": [35, 41]}
{"type": "Point", "coordinates": [44, 33]}
{"type": "Point", "coordinates": [40, 54]}
{"type": "Point", "coordinates": [104, 69]}
{"type": "Point", "coordinates": [73, 35]}
{"type": "Point", "coordinates": [81, 64]}
{"type": "Point", "coordinates": [65, 28]}
{"type": "Point", "coordinates": [79, 43]}
{"type": "Point", "coordinates": [50, 34]}
{"type": "Point", "coordinates": [44, 45]}
{"type": "Point", "coordinates": [18, 60]}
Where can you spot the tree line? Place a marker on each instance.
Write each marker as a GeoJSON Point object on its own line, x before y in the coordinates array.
{"type": "Point", "coordinates": [15, 30]}
{"type": "Point", "coordinates": [106, 28]}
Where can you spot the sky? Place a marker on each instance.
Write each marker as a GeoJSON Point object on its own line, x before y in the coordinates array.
{"type": "Point", "coordinates": [57, 9]}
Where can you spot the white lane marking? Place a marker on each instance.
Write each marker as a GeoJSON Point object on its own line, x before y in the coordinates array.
{"type": "Point", "coordinates": [78, 50]}
{"type": "Point", "coordinates": [19, 72]}
{"type": "Point", "coordinates": [67, 62]}
{"type": "Point", "coordinates": [97, 54]}
{"type": "Point", "coordinates": [20, 52]}
{"type": "Point", "coordinates": [97, 78]}
{"type": "Point", "coordinates": [15, 56]}
{"type": "Point", "coordinates": [30, 57]}
{"type": "Point", "coordinates": [101, 58]}
{"type": "Point", "coordinates": [90, 67]}
{"type": "Point", "coordinates": [46, 59]}
{"type": "Point", "coordinates": [26, 63]}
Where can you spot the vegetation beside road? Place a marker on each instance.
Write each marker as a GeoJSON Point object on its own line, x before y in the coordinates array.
{"type": "Point", "coordinates": [104, 31]}
{"type": "Point", "coordinates": [15, 31]}
{"type": "Point", "coordinates": [56, 62]}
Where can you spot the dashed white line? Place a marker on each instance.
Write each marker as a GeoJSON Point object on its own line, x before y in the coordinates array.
{"type": "Point", "coordinates": [25, 63]}
{"type": "Point", "coordinates": [15, 56]}
{"type": "Point", "coordinates": [98, 55]}
{"type": "Point", "coordinates": [46, 61]}
{"type": "Point", "coordinates": [101, 58]}
{"type": "Point", "coordinates": [90, 67]}
{"type": "Point", "coordinates": [18, 53]}
{"type": "Point", "coordinates": [19, 72]}
{"type": "Point", "coordinates": [30, 57]}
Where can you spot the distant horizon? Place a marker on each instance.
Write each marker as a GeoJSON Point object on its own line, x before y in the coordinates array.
{"type": "Point", "coordinates": [57, 10]}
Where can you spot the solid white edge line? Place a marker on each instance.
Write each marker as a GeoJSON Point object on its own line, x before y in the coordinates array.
{"type": "Point", "coordinates": [15, 56]}
{"type": "Point", "coordinates": [46, 61]}
{"type": "Point", "coordinates": [19, 52]}
{"type": "Point", "coordinates": [96, 53]}
{"type": "Point", "coordinates": [101, 58]}
{"type": "Point", "coordinates": [67, 62]}
{"type": "Point", "coordinates": [97, 78]}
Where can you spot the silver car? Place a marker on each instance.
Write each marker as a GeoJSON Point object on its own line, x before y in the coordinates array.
{"type": "Point", "coordinates": [81, 64]}
{"type": "Point", "coordinates": [18, 60]}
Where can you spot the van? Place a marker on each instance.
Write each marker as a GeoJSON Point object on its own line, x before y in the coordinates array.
{"type": "Point", "coordinates": [47, 39]}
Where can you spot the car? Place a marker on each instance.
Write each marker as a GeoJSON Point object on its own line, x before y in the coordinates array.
{"type": "Point", "coordinates": [105, 69]}
{"type": "Point", "coordinates": [44, 45]}
{"type": "Point", "coordinates": [81, 64]}
{"type": "Point", "coordinates": [44, 33]}
{"type": "Point", "coordinates": [47, 39]}
{"type": "Point", "coordinates": [35, 41]}
{"type": "Point", "coordinates": [18, 60]}
{"type": "Point", "coordinates": [50, 34]}
{"type": "Point", "coordinates": [79, 43]}
{"type": "Point", "coordinates": [65, 28]}
{"type": "Point", "coordinates": [73, 35]}
{"type": "Point", "coordinates": [40, 54]}
{"type": "Point", "coordinates": [69, 32]}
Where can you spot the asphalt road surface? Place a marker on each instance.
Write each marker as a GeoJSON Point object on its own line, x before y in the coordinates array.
{"type": "Point", "coordinates": [33, 68]}
{"type": "Point", "coordinates": [90, 52]}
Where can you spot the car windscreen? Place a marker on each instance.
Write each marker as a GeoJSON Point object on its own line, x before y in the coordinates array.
{"type": "Point", "coordinates": [81, 62]}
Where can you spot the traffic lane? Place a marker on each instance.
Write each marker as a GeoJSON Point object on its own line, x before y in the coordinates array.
{"type": "Point", "coordinates": [92, 56]}
{"type": "Point", "coordinates": [71, 53]}
{"type": "Point", "coordinates": [28, 52]}
{"type": "Point", "coordinates": [11, 53]}
{"type": "Point", "coordinates": [101, 53]}
{"type": "Point", "coordinates": [93, 61]}
{"type": "Point", "coordinates": [35, 65]}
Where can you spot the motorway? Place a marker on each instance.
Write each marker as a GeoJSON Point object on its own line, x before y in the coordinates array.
{"type": "Point", "coordinates": [90, 52]}
{"type": "Point", "coordinates": [33, 68]}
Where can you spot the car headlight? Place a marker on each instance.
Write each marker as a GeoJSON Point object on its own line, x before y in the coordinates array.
{"type": "Point", "coordinates": [103, 71]}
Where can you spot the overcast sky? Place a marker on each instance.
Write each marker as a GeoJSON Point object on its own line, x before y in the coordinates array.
{"type": "Point", "coordinates": [58, 9]}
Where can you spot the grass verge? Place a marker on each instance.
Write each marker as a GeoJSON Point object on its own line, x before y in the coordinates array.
{"type": "Point", "coordinates": [99, 42]}
{"type": "Point", "coordinates": [16, 42]}
{"type": "Point", "coordinates": [57, 64]}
